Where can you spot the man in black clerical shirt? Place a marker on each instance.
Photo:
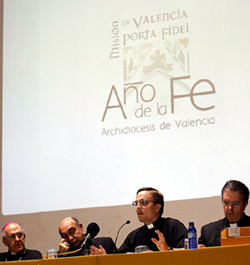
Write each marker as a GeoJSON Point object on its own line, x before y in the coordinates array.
{"type": "Point", "coordinates": [71, 231]}
{"type": "Point", "coordinates": [234, 197]}
{"type": "Point", "coordinates": [14, 238]}
{"type": "Point", "coordinates": [157, 233]}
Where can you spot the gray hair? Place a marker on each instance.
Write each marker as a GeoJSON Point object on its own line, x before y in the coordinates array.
{"type": "Point", "coordinates": [235, 185]}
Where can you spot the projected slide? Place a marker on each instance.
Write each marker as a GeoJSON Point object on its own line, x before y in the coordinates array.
{"type": "Point", "coordinates": [101, 98]}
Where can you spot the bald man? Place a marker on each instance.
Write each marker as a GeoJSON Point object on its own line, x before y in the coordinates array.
{"type": "Point", "coordinates": [71, 231]}
{"type": "Point", "coordinates": [14, 238]}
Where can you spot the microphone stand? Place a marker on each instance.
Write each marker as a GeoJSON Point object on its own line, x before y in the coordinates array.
{"type": "Point", "coordinates": [84, 243]}
{"type": "Point", "coordinates": [120, 229]}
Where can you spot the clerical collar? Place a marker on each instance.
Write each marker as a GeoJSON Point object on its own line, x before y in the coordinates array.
{"type": "Point", "coordinates": [16, 255]}
{"type": "Point", "coordinates": [155, 224]}
{"type": "Point", "coordinates": [150, 226]}
{"type": "Point", "coordinates": [240, 223]}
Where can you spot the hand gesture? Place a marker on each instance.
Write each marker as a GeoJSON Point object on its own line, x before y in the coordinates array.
{"type": "Point", "coordinates": [161, 244]}
{"type": "Point", "coordinates": [97, 251]}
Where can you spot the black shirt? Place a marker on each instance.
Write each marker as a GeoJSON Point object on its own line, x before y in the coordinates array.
{"type": "Point", "coordinates": [106, 242]}
{"type": "Point", "coordinates": [211, 233]}
{"type": "Point", "coordinates": [173, 230]}
{"type": "Point", "coordinates": [25, 254]}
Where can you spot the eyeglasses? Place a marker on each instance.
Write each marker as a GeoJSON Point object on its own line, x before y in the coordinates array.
{"type": "Point", "coordinates": [13, 236]}
{"type": "Point", "coordinates": [142, 202]}
{"type": "Point", "coordinates": [232, 204]}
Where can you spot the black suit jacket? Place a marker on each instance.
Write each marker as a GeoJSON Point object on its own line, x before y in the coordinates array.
{"type": "Point", "coordinates": [107, 243]}
{"type": "Point", "coordinates": [211, 233]}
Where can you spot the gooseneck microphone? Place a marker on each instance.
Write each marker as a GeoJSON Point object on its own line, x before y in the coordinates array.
{"type": "Point", "coordinates": [92, 230]}
{"type": "Point", "coordinates": [126, 223]}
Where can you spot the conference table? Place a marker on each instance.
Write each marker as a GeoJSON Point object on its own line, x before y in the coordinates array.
{"type": "Point", "coordinates": [214, 255]}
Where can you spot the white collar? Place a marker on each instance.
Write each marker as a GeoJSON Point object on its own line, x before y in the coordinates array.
{"type": "Point", "coordinates": [150, 226]}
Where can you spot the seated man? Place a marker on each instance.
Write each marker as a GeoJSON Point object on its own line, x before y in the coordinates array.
{"type": "Point", "coordinates": [71, 231]}
{"type": "Point", "coordinates": [14, 238]}
{"type": "Point", "coordinates": [235, 196]}
{"type": "Point", "coordinates": [157, 233]}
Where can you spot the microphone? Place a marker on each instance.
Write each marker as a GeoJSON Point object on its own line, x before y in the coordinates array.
{"type": "Point", "coordinates": [126, 223]}
{"type": "Point", "coordinates": [92, 230]}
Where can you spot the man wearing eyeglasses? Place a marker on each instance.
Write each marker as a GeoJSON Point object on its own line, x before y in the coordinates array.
{"type": "Point", "coordinates": [157, 233]}
{"type": "Point", "coordinates": [234, 196]}
{"type": "Point", "coordinates": [71, 231]}
{"type": "Point", "coordinates": [14, 238]}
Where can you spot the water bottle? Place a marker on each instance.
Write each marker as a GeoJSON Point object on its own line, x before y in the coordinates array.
{"type": "Point", "coordinates": [192, 236]}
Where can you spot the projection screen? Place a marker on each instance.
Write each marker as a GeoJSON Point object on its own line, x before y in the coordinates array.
{"type": "Point", "coordinates": [101, 98]}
